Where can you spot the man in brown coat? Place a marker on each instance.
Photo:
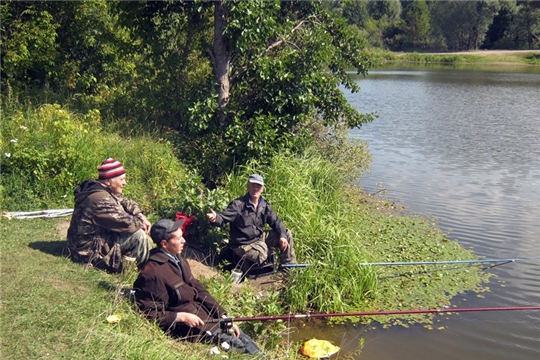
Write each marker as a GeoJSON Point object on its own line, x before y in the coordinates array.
{"type": "Point", "coordinates": [167, 292]}
{"type": "Point", "coordinates": [105, 225]}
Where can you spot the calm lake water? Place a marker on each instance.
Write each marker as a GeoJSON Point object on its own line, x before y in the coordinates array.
{"type": "Point", "coordinates": [462, 145]}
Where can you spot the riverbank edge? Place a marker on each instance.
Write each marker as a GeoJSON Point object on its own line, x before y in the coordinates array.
{"type": "Point", "coordinates": [480, 57]}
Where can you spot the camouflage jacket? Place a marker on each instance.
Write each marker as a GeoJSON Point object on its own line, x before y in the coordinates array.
{"type": "Point", "coordinates": [98, 220]}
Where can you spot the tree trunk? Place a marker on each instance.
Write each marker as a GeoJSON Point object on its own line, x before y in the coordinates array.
{"type": "Point", "coordinates": [221, 57]}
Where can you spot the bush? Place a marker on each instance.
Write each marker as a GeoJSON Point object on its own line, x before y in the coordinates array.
{"type": "Point", "coordinates": [44, 151]}
{"type": "Point", "coordinates": [47, 151]}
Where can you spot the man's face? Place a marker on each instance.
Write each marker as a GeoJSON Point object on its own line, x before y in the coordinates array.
{"type": "Point", "coordinates": [255, 190]}
{"type": "Point", "coordinates": [117, 183]}
{"type": "Point", "coordinates": [176, 244]}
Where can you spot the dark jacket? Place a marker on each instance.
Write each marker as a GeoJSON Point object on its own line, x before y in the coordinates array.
{"type": "Point", "coordinates": [161, 292]}
{"type": "Point", "coordinates": [247, 223]}
{"type": "Point", "coordinates": [98, 219]}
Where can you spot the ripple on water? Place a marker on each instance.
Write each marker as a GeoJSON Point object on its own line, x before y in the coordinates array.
{"type": "Point", "coordinates": [463, 147]}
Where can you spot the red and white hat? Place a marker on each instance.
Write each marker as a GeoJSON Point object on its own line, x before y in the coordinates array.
{"type": "Point", "coordinates": [110, 168]}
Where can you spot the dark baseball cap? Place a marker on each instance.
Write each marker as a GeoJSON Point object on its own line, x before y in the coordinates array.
{"type": "Point", "coordinates": [163, 227]}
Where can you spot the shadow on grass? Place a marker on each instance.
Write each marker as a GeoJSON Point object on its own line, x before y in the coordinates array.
{"type": "Point", "coordinates": [109, 286]}
{"type": "Point", "coordinates": [56, 248]}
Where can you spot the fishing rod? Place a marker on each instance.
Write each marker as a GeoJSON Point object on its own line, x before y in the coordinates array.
{"type": "Point", "coordinates": [371, 313]}
{"type": "Point", "coordinates": [404, 263]}
{"type": "Point", "coordinates": [36, 214]}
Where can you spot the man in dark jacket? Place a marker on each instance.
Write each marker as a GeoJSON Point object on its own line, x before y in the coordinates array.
{"type": "Point", "coordinates": [105, 226]}
{"type": "Point", "coordinates": [247, 216]}
{"type": "Point", "coordinates": [167, 292]}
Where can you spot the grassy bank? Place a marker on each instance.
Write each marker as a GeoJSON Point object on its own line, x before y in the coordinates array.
{"type": "Point", "coordinates": [54, 308]}
{"type": "Point", "coordinates": [481, 57]}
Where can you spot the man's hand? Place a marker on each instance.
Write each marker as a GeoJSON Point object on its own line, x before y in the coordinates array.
{"type": "Point", "coordinates": [236, 330]}
{"type": "Point", "coordinates": [231, 324]}
{"type": "Point", "coordinates": [211, 216]}
{"type": "Point", "coordinates": [283, 244]}
{"type": "Point", "coordinates": [146, 224]}
{"type": "Point", "coordinates": [189, 319]}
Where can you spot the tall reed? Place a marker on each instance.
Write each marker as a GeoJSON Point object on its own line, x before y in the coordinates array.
{"type": "Point", "coordinates": [310, 194]}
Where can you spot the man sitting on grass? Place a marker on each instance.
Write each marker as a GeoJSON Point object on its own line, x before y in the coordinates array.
{"type": "Point", "coordinates": [248, 215]}
{"type": "Point", "coordinates": [167, 292]}
{"type": "Point", "coordinates": [106, 226]}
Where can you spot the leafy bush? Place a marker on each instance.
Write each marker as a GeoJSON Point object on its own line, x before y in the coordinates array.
{"type": "Point", "coordinates": [48, 151]}
{"type": "Point", "coordinates": [44, 152]}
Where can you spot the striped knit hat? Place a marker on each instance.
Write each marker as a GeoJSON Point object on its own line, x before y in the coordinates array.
{"type": "Point", "coordinates": [110, 168]}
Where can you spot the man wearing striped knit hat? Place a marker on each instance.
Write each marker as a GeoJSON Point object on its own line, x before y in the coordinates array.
{"type": "Point", "coordinates": [106, 226]}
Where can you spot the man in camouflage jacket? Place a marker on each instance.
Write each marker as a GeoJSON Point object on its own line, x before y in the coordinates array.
{"type": "Point", "coordinates": [105, 225]}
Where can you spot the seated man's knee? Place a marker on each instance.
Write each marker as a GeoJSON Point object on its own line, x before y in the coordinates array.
{"type": "Point", "coordinates": [256, 255]}
{"type": "Point", "coordinates": [138, 237]}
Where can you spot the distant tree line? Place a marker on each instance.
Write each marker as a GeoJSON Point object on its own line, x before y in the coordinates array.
{"type": "Point", "coordinates": [421, 25]}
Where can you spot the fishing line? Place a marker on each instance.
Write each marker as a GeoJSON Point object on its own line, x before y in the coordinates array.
{"type": "Point", "coordinates": [410, 273]}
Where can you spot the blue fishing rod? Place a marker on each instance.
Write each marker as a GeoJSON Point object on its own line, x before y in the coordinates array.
{"type": "Point", "coordinates": [405, 263]}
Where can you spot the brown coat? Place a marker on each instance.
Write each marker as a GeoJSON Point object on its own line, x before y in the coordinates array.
{"type": "Point", "coordinates": [161, 292]}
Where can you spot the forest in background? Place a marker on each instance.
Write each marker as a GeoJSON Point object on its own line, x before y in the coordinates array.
{"type": "Point", "coordinates": [233, 80]}
{"type": "Point", "coordinates": [230, 80]}
{"type": "Point", "coordinates": [421, 25]}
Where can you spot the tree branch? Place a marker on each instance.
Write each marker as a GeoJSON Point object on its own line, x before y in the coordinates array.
{"type": "Point", "coordinates": [270, 47]}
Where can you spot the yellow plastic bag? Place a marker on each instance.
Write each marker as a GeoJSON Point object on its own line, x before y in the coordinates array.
{"type": "Point", "coordinates": [315, 348]}
{"type": "Point", "coordinates": [113, 319]}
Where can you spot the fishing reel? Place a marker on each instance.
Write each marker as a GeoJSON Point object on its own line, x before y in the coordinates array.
{"type": "Point", "coordinates": [226, 326]}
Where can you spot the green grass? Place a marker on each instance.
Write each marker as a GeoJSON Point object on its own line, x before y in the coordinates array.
{"type": "Point", "coordinates": [532, 59]}
{"type": "Point", "coordinates": [509, 58]}
{"type": "Point", "coordinates": [487, 58]}
{"type": "Point", "coordinates": [56, 309]}
{"type": "Point", "coordinates": [53, 308]}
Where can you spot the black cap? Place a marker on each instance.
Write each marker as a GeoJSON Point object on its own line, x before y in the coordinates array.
{"type": "Point", "coordinates": [163, 227]}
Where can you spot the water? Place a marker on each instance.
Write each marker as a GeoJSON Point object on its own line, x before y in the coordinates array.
{"type": "Point", "coordinates": [463, 146]}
